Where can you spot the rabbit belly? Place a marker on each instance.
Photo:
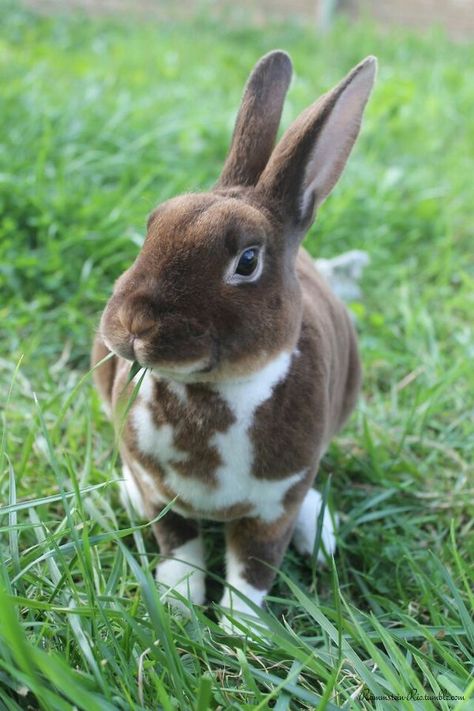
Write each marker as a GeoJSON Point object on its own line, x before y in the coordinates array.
{"type": "Point", "coordinates": [237, 493]}
{"type": "Point", "coordinates": [231, 490]}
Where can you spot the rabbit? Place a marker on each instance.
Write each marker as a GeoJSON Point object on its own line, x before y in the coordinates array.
{"type": "Point", "coordinates": [251, 360]}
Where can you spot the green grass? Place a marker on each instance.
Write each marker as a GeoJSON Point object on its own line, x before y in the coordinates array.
{"type": "Point", "coordinates": [98, 122]}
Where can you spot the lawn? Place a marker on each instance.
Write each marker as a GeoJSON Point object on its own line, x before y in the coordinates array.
{"type": "Point", "coordinates": [99, 121]}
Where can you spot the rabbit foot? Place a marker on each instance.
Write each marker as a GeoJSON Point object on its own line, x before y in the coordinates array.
{"type": "Point", "coordinates": [253, 624]}
{"type": "Point", "coordinates": [239, 610]}
{"type": "Point", "coordinates": [304, 535]}
{"type": "Point", "coordinates": [180, 574]}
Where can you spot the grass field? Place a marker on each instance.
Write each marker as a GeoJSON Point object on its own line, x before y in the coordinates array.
{"type": "Point", "coordinates": [100, 120]}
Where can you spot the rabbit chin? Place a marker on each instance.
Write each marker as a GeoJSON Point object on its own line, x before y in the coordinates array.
{"type": "Point", "coordinates": [215, 372]}
{"type": "Point", "coordinates": [186, 372]}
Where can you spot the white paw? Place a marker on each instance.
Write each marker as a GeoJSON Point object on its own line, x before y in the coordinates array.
{"type": "Point", "coordinates": [182, 575]}
{"type": "Point", "coordinates": [245, 624]}
{"type": "Point", "coordinates": [238, 607]}
{"type": "Point", "coordinates": [240, 612]}
{"type": "Point", "coordinates": [304, 535]}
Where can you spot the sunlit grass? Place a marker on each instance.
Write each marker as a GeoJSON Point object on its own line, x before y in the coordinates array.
{"type": "Point", "coordinates": [98, 122]}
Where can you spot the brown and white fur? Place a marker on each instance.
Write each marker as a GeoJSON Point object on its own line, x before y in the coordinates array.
{"type": "Point", "coordinates": [249, 378]}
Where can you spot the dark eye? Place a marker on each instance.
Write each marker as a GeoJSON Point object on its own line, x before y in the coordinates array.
{"type": "Point", "coordinates": [248, 262]}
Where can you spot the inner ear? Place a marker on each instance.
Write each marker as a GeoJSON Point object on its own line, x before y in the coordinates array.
{"type": "Point", "coordinates": [258, 120]}
{"type": "Point", "coordinates": [311, 156]}
{"type": "Point", "coordinates": [336, 139]}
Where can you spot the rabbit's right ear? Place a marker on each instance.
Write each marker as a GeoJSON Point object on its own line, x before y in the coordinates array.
{"type": "Point", "coordinates": [307, 162]}
{"type": "Point", "coordinates": [257, 121]}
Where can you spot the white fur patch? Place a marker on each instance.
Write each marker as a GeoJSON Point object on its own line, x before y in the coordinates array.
{"type": "Point", "coordinates": [304, 535]}
{"type": "Point", "coordinates": [180, 373]}
{"type": "Point", "coordinates": [179, 390]}
{"type": "Point", "coordinates": [130, 495]}
{"type": "Point", "coordinates": [232, 601]}
{"type": "Point", "coordinates": [147, 385]}
{"type": "Point", "coordinates": [235, 481]}
{"type": "Point", "coordinates": [153, 440]}
{"type": "Point", "coordinates": [153, 493]}
{"type": "Point", "coordinates": [181, 573]}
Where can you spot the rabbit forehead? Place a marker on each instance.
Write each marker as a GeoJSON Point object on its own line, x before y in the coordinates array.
{"type": "Point", "coordinates": [206, 219]}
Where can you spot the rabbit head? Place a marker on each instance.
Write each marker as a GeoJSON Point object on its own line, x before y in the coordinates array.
{"type": "Point", "coordinates": [213, 293]}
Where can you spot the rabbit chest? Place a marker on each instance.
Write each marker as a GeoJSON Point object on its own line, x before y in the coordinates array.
{"type": "Point", "coordinates": [207, 446]}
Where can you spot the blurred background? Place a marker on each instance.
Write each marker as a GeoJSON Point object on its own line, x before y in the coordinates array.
{"type": "Point", "coordinates": [455, 16]}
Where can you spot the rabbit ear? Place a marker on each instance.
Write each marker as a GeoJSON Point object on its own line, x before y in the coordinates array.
{"type": "Point", "coordinates": [307, 162]}
{"type": "Point", "coordinates": [258, 120]}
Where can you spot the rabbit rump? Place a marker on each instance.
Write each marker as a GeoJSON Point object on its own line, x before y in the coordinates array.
{"type": "Point", "coordinates": [251, 360]}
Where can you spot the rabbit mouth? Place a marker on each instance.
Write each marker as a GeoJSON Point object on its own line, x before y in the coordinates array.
{"type": "Point", "coordinates": [196, 367]}
{"type": "Point", "coordinates": [194, 371]}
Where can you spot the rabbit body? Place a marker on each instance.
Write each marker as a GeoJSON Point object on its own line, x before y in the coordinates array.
{"type": "Point", "coordinates": [252, 362]}
{"type": "Point", "coordinates": [249, 445]}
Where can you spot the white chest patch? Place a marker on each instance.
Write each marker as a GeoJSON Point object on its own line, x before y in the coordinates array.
{"type": "Point", "coordinates": [235, 481]}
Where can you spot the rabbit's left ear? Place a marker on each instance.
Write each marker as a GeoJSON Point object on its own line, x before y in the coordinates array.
{"type": "Point", "coordinates": [258, 119]}
{"type": "Point", "coordinates": [307, 162]}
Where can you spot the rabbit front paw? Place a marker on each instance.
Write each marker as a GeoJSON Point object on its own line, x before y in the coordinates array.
{"type": "Point", "coordinates": [183, 574]}
{"type": "Point", "coordinates": [239, 612]}
{"type": "Point", "coordinates": [306, 527]}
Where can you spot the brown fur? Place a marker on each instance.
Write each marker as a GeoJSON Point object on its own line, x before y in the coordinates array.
{"type": "Point", "coordinates": [172, 531]}
{"type": "Point", "coordinates": [257, 122]}
{"type": "Point", "coordinates": [174, 309]}
{"type": "Point", "coordinates": [260, 547]}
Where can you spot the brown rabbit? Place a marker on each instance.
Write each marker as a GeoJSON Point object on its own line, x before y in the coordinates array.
{"type": "Point", "coordinates": [252, 362]}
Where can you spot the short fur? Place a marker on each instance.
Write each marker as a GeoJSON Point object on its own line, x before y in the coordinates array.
{"type": "Point", "coordinates": [247, 382]}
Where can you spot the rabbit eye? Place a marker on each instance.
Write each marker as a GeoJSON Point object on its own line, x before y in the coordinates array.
{"type": "Point", "coordinates": [246, 267]}
{"type": "Point", "coordinates": [248, 262]}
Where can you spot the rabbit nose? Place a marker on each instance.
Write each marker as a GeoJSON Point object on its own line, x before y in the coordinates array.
{"type": "Point", "coordinates": [137, 319]}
